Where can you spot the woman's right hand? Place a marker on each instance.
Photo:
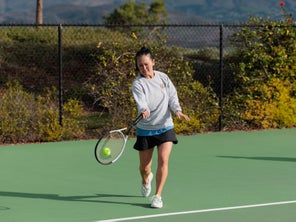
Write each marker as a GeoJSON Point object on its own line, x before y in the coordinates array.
{"type": "Point", "coordinates": [145, 114]}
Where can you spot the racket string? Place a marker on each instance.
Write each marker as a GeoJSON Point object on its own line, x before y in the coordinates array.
{"type": "Point", "coordinates": [114, 141]}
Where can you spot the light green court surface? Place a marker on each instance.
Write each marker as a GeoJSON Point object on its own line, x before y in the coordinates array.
{"type": "Point", "coordinates": [211, 176]}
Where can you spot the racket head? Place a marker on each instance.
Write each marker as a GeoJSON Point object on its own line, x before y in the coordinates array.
{"type": "Point", "coordinates": [115, 141]}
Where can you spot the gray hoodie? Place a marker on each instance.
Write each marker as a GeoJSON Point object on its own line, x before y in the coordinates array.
{"type": "Point", "coordinates": [158, 95]}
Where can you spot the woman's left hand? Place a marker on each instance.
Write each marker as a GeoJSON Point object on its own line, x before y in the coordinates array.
{"type": "Point", "coordinates": [179, 114]}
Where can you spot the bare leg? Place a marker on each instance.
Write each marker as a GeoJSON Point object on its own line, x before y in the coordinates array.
{"type": "Point", "coordinates": [145, 164]}
{"type": "Point", "coordinates": [164, 151]}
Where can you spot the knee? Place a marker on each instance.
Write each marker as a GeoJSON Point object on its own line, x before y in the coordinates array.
{"type": "Point", "coordinates": [163, 162]}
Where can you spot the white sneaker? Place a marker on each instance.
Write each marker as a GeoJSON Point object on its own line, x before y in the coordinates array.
{"type": "Point", "coordinates": [156, 202]}
{"type": "Point", "coordinates": [146, 188]}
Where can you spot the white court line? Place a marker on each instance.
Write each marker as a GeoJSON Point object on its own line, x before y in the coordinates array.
{"type": "Point", "coordinates": [198, 211]}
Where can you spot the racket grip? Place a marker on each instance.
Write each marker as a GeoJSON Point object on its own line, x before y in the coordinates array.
{"type": "Point", "coordinates": [138, 118]}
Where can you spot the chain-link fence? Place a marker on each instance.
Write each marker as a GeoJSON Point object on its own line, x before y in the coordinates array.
{"type": "Point", "coordinates": [64, 56]}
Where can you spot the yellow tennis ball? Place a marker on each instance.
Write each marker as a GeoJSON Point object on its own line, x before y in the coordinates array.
{"type": "Point", "coordinates": [106, 151]}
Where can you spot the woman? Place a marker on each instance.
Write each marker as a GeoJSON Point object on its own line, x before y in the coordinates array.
{"type": "Point", "coordinates": [156, 97]}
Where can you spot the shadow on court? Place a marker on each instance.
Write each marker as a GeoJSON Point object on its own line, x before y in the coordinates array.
{"type": "Point", "coordinates": [76, 198]}
{"type": "Point", "coordinates": [281, 159]}
{"type": "Point", "coordinates": [4, 208]}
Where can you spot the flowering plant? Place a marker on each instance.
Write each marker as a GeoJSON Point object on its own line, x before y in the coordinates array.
{"type": "Point", "coordinates": [287, 16]}
{"type": "Point", "coordinates": [265, 74]}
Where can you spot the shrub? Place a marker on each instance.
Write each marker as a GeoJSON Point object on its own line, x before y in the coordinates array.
{"type": "Point", "coordinates": [28, 118]}
{"type": "Point", "coordinates": [273, 105]}
{"type": "Point", "coordinates": [49, 125]}
{"type": "Point", "coordinates": [111, 86]}
{"type": "Point", "coordinates": [202, 107]}
{"type": "Point", "coordinates": [17, 115]}
{"type": "Point", "coordinates": [264, 79]}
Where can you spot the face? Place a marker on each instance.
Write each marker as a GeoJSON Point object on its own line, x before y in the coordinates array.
{"type": "Point", "coordinates": [145, 65]}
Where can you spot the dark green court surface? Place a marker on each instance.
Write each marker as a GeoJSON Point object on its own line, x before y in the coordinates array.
{"type": "Point", "coordinates": [223, 177]}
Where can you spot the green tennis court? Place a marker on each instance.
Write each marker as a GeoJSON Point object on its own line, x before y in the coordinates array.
{"type": "Point", "coordinates": [225, 177]}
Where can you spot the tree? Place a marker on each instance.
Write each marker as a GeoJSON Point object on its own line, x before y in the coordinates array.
{"type": "Point", "coordinates": [133, 13]}
{"type": "Point", "coordinates": [138, 13]}
{"type": "Point", "coordinates": [39, 12]}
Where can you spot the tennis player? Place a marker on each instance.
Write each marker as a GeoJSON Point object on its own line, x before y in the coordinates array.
{"type": "Point", "coordinates": [156, 98]}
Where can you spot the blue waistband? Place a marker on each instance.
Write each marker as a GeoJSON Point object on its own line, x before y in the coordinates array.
{"type": "Point", "coordinates": [142, 132]}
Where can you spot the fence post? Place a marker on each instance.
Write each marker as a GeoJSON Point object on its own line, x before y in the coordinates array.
{"type": "Point", "coordinates": [60, 75]}
{"type": "Point", "coordinates": [221, 79]}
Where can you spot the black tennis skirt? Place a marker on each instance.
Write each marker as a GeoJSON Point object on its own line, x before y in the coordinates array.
{"type": "Point", "coordinates": [148, 142]}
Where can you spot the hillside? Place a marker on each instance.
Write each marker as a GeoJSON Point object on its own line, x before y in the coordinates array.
{"type": "Point", "coordinates": [185, 11]}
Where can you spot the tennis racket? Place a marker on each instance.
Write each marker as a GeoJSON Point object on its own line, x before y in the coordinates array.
{"type": "Point", "coordinates": [111, 145]}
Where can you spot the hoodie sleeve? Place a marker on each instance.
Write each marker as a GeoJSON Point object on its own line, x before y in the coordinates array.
{"type": "Point", "coordinates": [173, 97]}
{"type": "Point", "coordinates": [139, 96]}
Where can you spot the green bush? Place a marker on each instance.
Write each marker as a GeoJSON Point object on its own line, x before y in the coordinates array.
{"type": "Point", "coordinates": [49, 125]}
{"type": "Point", "coordinates": [28, 118]}
{"type": "Point", "coordinates": [111, 86]}
{"type": "Point", "coordinates": [17, 115]}
{"type": "Point", "coordinates": [202, 107]}
{"type": "Point", "coordinates": [273, 106]}
{"type": "Point", "coordinates": [264, 79]}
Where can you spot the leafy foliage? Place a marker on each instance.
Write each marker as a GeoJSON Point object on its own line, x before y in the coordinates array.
{"type": "Point", "coordinates": [111, 86]}
{"type": "Point", "coordinates": [26, 118]}
{"type": "Point", "coordinates": [274, 105]}
{"type": "Point", "coordinates": [201, 105]}
{"type": "Point", "coordinates": [132, 13]}
{"type": "Point", "coordinates": [265, 77]}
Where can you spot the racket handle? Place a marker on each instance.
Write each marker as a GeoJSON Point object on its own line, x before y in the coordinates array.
{"type": "Point", "coordinates": [138, 119]}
